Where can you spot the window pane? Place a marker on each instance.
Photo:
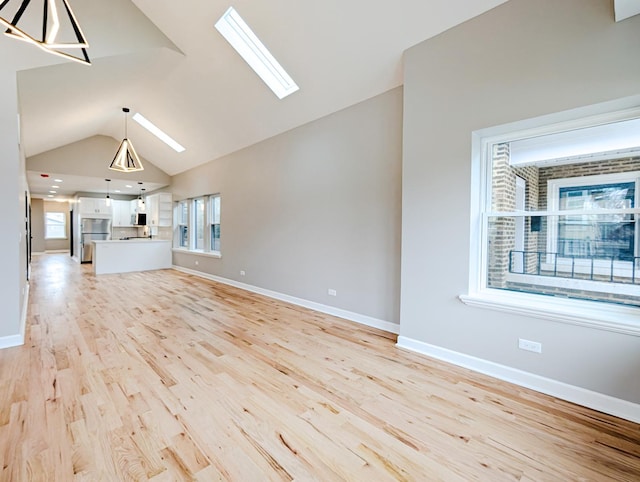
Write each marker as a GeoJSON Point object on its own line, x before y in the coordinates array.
{"type": "Point", "coordinates": [573, 273]}
{"type": "Point", "coordinates": [55, 225]}
{"type": "Point", "coordinates": [183, 215]}
{"type": "Point", "coordinates": [198, 227]}
{"type": "Point", "coordinates": [184, 237]}
{"type": "Point", "coordinates": [215, 209]}
{"type": "Point", "coordinates": [585, 235]}
{"type": "Point", "coordinates": [215, 237]}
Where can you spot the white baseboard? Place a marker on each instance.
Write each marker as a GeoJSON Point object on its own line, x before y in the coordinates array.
{"type": "Point", "coordinates": [330, 310]}
{"type": "Point", "coordinates": [581, 396]}
{"type": "Point", "coordinates": [17, 340]}
{"type": "Point", "coordinates": [48, 251]}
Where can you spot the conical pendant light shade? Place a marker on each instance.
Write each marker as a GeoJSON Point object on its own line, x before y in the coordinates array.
{"type": "Point", "coordinates": [52, 24]}
{"type": "Point", "coordinates": [126, 158]}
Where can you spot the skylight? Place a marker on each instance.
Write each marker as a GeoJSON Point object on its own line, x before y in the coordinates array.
{"type": "Point", "coordinates": [253, 51]}
{"type": "Point", "coordinates": [140, 119]}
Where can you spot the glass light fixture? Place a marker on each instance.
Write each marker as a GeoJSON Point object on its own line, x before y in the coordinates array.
{"type": "Point", "coordinates": [140, 198]}
{"type": "Point", "coordinates": [48, 23]}
{"type": "Point", "coordinates": [126, 158]}
{"type": "Point", "coordinates": [108, 198]}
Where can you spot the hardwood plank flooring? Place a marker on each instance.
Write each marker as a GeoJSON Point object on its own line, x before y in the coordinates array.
{"type": "Point", "coordinates": [163, 376]}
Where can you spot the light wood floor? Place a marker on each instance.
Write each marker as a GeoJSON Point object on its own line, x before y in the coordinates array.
{"type": "Point", "coordinates": [166, 377]}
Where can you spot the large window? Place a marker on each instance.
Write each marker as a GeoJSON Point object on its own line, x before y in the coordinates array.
{"type": "Point", "coordinates": [555, 231]}
{"type": "Point", "coordinates": [55, 225]}
{"type": "Point", "coordinates": [198, 224]}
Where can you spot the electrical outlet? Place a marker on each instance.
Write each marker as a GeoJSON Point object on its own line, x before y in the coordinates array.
{"type": "Point", "coordinates": [529, 345]}
{"type": "Point", "coordinates": [242, 273]}
{"type": "Point", "coordinates": [331, 292]}
{"type": "Point", "coordinates": [197, 263]}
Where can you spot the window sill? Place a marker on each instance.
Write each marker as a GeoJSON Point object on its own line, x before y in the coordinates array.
{"type": "Point", "coordinates": [598, 315]}
{"type": "Point", "coordinates": [210, 254]}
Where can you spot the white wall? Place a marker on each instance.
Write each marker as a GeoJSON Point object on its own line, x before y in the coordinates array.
{"type": "Point", "coordinates": [315, 208]}
{"type": "Point", "coordinates": [12, 213]}
{"type": "Point", "coordinates": [521, 60]}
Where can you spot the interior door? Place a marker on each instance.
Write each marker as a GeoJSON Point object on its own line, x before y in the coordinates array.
{"type": "Point", "coordinates": [27, 229]}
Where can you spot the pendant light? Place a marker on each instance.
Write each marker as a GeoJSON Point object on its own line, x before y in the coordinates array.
{"type": "Point", "coordinates": [141, 205]}
{"type": "Point", "coordinates": [126, 158]}
{"type": "Point", "coordinates": [46, 30]}
{"type": "Point", "coordinates": [108, 198]}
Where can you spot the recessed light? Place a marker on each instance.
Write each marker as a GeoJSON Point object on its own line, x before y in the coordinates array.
{"type": "Point", "coordinates": [155, 130]}
{"type": "Point", "coordinates": [50, 195]}
{"type": "Point", "coordinates": [53, 192]}
{"type": "Point", "coordinates": [58, 180]}
{"type": "Point", "coordinates": [128, 185]}
{"type": "Point", "coordinates": [55, 187]}
{"type": "Point", "coordinates": [234, 29]}
{"type": "Point", "coordinates": [117, 190]}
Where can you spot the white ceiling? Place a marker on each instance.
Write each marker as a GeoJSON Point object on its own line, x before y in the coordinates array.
{"type": "Point", "coordinates": [167, 61]}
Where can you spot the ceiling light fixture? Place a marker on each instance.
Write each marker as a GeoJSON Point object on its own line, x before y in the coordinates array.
{"type": "Point", "coordinates": [50, 26]}
{"type": "Point", "coordinates": [126, 158]}
{"type": "Point", "coordinates": [108, 198]}
{"type": "Point", "coordinates": [156, 131]}
{"type": "Point", "coordinates": [234, 29]}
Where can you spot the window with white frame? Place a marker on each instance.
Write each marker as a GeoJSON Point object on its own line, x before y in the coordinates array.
{"type": "Point", "coordinates": [555, 221]}
{"type": "Point", "coordinates": [198, 224]}
{"type": "Point", "coordinates": [55, 225]}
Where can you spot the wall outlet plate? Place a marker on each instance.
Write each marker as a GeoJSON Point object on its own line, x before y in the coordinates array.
{"type": "Point", "coordinates": [529, 345]}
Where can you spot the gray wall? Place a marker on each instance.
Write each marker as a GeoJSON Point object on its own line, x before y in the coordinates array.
{"type": "Point", "coordinates": [38, 209]}
{"type": "Point", "coordinates": [521, 60]}
{"type": "Point", "coordinates": [317, 207]}
{"type": "Point", "coordinates": [57, 244]}
{"type": "Point", "coordinates": [91, 157]}
{"type": "Point", "coordinates": [37, 226]}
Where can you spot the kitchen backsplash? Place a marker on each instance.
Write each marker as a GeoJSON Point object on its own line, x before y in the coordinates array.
{"type": "Point", "coordinates": [130, 232]}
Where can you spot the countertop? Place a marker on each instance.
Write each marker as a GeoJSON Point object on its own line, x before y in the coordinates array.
{"type": "Point", "coordinates": [134, 240]}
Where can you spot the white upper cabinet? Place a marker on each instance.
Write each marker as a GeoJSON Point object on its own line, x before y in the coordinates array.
{"type": "Point", "coordinates": [94, 207]}
{"type": "Point", "coordinates": [121, 213]}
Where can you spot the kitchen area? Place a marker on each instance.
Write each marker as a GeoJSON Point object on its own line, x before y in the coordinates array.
{"type": "Point", "coordinates": [120, 235]}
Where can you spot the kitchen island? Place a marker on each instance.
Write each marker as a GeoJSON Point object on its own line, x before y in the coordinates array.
{"type": "Point", "coordinates": [125, 256]}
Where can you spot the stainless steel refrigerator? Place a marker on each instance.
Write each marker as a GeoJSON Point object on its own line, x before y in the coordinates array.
{"type": "Point", "coordinates": [92, 229]}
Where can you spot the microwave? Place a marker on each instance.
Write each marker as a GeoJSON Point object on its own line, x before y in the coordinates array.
{"type": "Point", "coordinates": [139, 219]}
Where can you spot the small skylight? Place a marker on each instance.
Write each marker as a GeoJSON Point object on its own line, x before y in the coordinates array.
{"type": "Point", "coordinates": [140, 119]}
{"type": "Point", "coordinates": [253, 51]}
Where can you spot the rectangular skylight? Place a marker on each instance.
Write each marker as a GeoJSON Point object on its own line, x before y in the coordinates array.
{"type": "Point", "coordinates": [253, 51]}
{"type": "Point", "coordinates": [140, 119]}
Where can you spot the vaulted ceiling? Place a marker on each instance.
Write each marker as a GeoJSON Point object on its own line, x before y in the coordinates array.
{"type": "Point", "coordinates": [167, 61]}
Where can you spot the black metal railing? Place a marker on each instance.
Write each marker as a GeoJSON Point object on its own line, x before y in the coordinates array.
{"type": "Point", "coordinates": [614, 269]}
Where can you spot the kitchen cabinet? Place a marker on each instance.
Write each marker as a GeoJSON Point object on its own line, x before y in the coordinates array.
{"type": "Point", "coordinates": [121, 213]}
{"type": "Point", "coordinates": [159, 210]}
{"type": "Point", "coordinates": [94, 207]}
